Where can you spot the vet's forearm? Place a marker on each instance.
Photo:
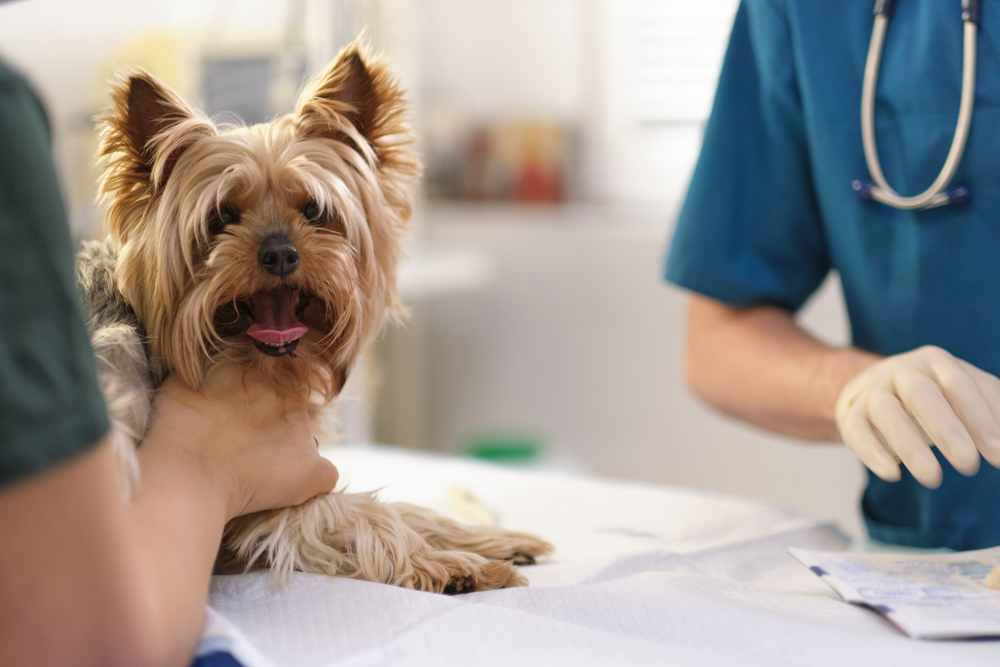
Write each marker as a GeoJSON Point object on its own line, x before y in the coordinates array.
{"type": "Point", "coordinates": [758, 365]}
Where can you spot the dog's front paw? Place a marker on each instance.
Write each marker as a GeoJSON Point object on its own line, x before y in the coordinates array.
{"type": "Point", "coordinates": [486, 577]}
{"type": "Point", "coordinates": [521, 548]}
{"type": "Point", "coordinates": [456, 572]}
{"type": "Point", "coordinates": [519, 558]}
{"type": "Point", "coordinates": [445, 534]}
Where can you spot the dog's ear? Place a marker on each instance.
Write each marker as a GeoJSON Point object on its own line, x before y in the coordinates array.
{"type": "Point", "coordinates": [356, 97]}
{"type": "Point", "coordinates": [358, 102]}
{"type": "Point", "coordinates": [143, 135]}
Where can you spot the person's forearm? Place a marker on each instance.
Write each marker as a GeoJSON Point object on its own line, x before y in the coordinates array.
{"type": "Point", "coordinates": [86, 579]}
{"type": "Point", "coordinates": [758, 365]}
{"type": "Point", "coordinates": [177, 520]}
{"type": "Point", "coordinates": [89, 580]}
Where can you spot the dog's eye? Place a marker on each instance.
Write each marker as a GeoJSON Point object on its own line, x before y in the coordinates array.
{"type": "Point", "coordinates": [222, 217]}
{"type": "Point", "coordinates": [228, 215]}
{"type": "Point", "coordinates": [314, 214]}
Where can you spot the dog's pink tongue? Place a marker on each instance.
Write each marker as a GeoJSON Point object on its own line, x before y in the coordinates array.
{"type": "Point", "coordinates": [274, 318]}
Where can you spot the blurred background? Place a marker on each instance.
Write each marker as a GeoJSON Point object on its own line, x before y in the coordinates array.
{"type": "Point", "coordinates": [558, 137]}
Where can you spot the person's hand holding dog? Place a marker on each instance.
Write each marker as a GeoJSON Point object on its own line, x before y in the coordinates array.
{"type": "Point", "coordinates": [237, 432]}
{"type": "Point", "coordinates": [897, 407]}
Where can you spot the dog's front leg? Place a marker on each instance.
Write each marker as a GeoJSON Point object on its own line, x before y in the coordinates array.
{"type": "Point", "coordinates": [354, 535]}
{"type": "Point", "coordinates": [488, 541]}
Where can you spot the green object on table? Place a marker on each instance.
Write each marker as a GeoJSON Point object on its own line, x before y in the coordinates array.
{"type": "Point", "coordinates": [506, 448]}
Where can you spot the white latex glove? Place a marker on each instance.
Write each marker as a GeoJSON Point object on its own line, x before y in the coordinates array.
{"type": "Point", "coordinates": [900, 407]}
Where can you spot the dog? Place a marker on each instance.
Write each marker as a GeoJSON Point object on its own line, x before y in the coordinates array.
{"type": "Point", "coordinates": [273, 246]}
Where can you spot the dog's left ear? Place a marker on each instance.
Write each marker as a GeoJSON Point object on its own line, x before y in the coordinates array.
{"type": "Point", "coordinates": [148, 127]}
{"type": "Point", "coordinates": [358, 98]}
{"type": "Point", "coordinates": [143, 134]}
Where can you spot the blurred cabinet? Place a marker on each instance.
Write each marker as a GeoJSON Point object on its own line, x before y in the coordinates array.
{"type": "Point", "coordinates": [578, 341]}
{"type": "Point", "coordinates": [386, 399]}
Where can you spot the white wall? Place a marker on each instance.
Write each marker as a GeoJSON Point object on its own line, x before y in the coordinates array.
{"type": "Point", "coordinates": [504, 58]}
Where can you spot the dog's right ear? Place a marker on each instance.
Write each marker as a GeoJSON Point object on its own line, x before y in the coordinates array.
{"type": "Point", "coordinates": [143, 134]}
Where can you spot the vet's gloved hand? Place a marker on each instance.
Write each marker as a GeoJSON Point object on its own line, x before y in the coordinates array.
{"type": "Point", "coordinates": [897, 407]}
{"type": "Point", "coordinates": [250, 443]}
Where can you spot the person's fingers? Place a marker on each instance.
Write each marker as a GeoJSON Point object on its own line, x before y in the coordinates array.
{"type": "Point", "coordinates": [315, 479]}
{"type": "Point", "coordinates": [989, 388]}
{"type": "Point", "coordinates": [963, 394]}
{"type": "Point", "coordinates": [989, 385]}
{"type": "Point", "coordinates": [902, 436]}
{"type": "Point", "coordinates": [860, 439]}
{"type": "Point", "coordinates": [295, 475]}
{"type": "Point", "coordinates": [924, 399]}
{"type": "Point", "coordinates": [323, 479]}
{"type": "Point", "coordinates": [313, 473]}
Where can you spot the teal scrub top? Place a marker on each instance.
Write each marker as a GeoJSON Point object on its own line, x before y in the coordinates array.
{"type": "Point", "coordinates": [771, 211]}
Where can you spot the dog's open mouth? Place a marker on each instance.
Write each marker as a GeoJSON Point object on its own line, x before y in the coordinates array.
{"type": "Point", "coordinates": [273, 316]}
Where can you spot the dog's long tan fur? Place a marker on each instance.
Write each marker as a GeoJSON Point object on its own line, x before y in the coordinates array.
{"type": "Point", "coordinates": [189, 205]}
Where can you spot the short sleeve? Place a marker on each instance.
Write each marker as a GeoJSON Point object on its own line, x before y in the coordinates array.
{"type": "Point", "coordinates": [750, 230]}
{"type": "Point", "coordinates": [51, 407]}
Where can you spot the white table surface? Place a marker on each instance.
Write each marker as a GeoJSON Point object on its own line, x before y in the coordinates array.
{"type": "Point", "coordinates": [642, 575]}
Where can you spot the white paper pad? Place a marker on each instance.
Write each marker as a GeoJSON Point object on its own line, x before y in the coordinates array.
{"type": "Point", "coordinates": [643, 575]}
{"type": "Point", "coordinates": [935, 596]}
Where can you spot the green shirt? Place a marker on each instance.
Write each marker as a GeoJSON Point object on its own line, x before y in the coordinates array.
{"type": "Point", "coordinates": [51, 407]}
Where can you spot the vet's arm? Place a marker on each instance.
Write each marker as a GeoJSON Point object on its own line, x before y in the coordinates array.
{"type": "Point", "coordinates": [758, 365]}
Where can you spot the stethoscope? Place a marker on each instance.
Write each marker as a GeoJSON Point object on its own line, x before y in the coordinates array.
{"type": "Point", "coordinates": [935, 195]}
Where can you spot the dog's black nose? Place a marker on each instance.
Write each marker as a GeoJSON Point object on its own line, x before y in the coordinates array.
{"type": "Point", "coordinates": [278, 256]}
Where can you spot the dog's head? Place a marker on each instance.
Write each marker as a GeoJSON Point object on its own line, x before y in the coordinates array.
{"type": "Point", "coordinates": [273, 245]}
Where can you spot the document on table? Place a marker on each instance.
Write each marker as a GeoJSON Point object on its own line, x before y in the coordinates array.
{"type": "Point", "coordinates": [935, 596]}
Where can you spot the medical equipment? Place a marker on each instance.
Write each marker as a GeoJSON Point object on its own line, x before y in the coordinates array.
{"type": "Point", "coordinates": [935, 195]}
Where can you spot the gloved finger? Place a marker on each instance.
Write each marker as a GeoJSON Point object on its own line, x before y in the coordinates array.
{"type": "Point", "coordinates": [924, 399]}
{"type": "Point", "coordinates": [989, 387]}
{"type": "Point", "coordinates": [963, 394]}
{"type": "Point", "coordinates": [857, 434]}
{"type": "Point", "coordinates": [903, 437]}
{"type": "Point", "coordinates": [988, 384]}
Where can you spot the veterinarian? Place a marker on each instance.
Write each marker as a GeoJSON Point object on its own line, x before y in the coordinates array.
{"type": "Point", "coordinates": [84, 578]}
{"type": "Point", "coordinates": [791, 185]}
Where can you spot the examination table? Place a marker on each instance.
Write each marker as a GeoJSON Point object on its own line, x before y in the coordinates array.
{"type": "Point", "coordinates": [642, 575]}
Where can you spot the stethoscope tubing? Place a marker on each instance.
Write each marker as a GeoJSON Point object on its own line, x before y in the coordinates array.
{"type": "Point", "coordinates": [934, 195]}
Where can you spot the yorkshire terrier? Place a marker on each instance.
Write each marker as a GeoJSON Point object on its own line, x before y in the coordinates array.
{"type": "Point", "coordinates": [272, 246]}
